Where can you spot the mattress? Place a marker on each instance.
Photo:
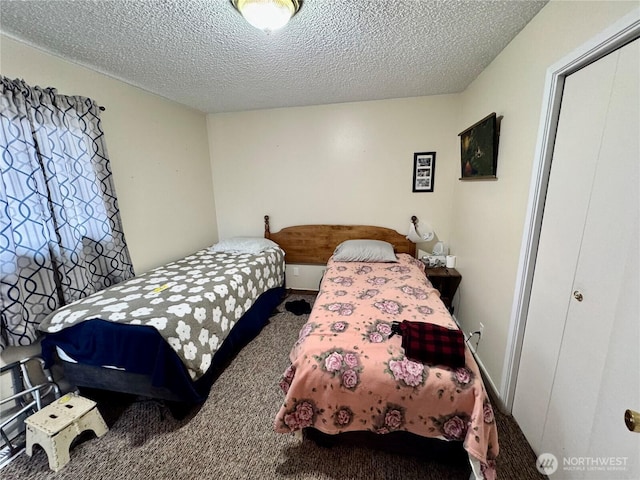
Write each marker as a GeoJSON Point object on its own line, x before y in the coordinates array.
{"type": "Point", "coordinates": [349, 373]}
{"type": "Point", "coordinates": [170, 325]}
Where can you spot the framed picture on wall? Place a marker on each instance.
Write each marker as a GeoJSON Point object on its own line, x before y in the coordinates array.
{"type": "Point", "coordinates": [479, 150]}
{"type": "Point", "coordinates": [424, 167]}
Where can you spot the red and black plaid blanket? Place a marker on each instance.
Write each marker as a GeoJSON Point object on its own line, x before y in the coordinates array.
{"type": "Point", "coordinates": [430, 343]}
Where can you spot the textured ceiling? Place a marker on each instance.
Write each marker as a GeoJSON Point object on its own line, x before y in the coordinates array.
{"type": "Point", "coordinates": [201, 53]}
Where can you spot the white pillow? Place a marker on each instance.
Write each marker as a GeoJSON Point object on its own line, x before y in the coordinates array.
{"type": "Point", "coordinates": [244, 245]}
{"type": "Point", "coordinates": [364, 251]}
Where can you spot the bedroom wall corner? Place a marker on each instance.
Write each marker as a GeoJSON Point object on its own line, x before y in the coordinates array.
{"type": "Point", "coordinates": [488, 217]}
{"type": "Point", "coordinates": [158, 150]}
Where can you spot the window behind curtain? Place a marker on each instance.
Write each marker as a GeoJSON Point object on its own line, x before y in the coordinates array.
{"type": "Point", "coordinates": [61, 235]}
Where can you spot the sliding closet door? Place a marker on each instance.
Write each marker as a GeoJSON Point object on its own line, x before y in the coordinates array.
{"type": "Point", "coordinates": [579, 369]}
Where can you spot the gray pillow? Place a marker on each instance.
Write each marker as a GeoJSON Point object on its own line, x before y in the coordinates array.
{"type": "Point", "coordinates": [252, 245]}
{"type": "Point", "coordinates": [364, 251]}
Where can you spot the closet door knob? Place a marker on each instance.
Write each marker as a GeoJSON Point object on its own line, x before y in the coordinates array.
{"type": "Point", "coordinates": [578, 296]}
{"type": "Point", "coordinates": [632, 419]}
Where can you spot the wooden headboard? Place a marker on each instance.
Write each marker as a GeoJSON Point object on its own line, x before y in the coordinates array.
{"type": "Point", "coordinates": [314, 244]}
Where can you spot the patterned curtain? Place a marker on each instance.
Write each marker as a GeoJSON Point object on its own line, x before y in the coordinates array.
{"type": "Point", "coordinates": [61, 236]}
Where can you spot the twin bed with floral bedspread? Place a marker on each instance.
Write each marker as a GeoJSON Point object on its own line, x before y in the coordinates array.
{"type": "Point", "coordinates": [167, 333]}
{"type": "Point", "coordinates": [348, 372]}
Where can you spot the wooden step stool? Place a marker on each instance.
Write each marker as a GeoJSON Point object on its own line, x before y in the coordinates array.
{"type": "Point", "coordinates": [59, 423]}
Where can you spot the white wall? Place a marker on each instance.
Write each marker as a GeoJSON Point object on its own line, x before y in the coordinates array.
{"type": "Point", "coordinates": [158, 151]}
{"type": "Point", "coordinates": [347, 163]}
{"type": "Point", "coordinates": [488, 217]}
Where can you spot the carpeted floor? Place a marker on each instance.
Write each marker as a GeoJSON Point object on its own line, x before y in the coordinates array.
{"type": "Point", "coordinates": [231, 436]}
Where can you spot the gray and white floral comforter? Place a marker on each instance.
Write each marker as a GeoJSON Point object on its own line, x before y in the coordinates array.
{"type": "Point", "coordinates": [194, 302]}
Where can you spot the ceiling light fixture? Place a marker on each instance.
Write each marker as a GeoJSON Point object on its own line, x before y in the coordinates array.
{"type": "Point", "coordinates": [267, 15]}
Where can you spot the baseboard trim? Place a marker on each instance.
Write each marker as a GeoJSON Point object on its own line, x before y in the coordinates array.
{"type": "Point", "coordinates": [493, 390]}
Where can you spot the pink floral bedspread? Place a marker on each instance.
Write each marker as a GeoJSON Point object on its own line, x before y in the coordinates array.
{"type": "Point", "coordinates": [347, 374]}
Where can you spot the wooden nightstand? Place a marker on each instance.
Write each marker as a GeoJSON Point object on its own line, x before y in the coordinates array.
{"type": "Point", "coordinates": [446, 281]}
